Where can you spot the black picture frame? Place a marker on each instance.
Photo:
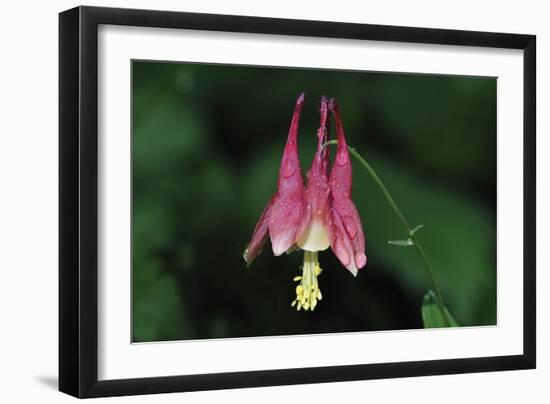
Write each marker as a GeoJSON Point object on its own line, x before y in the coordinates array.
{"type": "Point", "coordinates": [78, 201]}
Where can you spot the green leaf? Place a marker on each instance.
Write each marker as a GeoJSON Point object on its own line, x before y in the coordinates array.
{"type": "Point", "coordinates": [431, 315]}
{"type": "Point", "coordinates": [402, 243]}
{"type": "Point", "coordinates": [456, 222]}
{"type": "Point", "coordinates": [413, 231]}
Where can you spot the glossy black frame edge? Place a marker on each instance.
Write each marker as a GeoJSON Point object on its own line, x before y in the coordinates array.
{"type": "Point", "coordinates": [78, 175]}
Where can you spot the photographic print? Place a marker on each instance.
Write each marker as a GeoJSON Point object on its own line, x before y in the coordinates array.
{"type": "Point", "coordinates": [249, 201]}
{"type": "Point", "coordinates": [271, 201]}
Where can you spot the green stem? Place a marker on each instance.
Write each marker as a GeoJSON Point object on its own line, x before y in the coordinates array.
{"type": "Point", "coordinates": [412, 236]}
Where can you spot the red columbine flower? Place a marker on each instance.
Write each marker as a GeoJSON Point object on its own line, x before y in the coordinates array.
{"type": "Point", "coordinates": [321, 216]}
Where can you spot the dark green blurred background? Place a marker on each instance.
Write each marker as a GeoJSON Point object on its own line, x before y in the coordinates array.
{"type": "Point", "coordinates": [207, 142]}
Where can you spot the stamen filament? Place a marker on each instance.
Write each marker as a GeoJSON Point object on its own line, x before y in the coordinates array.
{"type": "Point", "coordinates": [308, 292]}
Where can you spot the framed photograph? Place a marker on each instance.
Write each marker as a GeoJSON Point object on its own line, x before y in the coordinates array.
{"type": "Point", "coordinates": [252, 201]}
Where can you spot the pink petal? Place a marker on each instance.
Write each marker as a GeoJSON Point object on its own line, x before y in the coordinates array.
{"type": "Point", "coordinates": [346, 234]}
{"type": "Point", "coordinates": [325, 153]}
{"type": "Point", "coordinates": [345, 229]}
{"type": "Point", "coordinates": [259, 236]}
{"type": "Point", "coordinates": [340, 176]}
{"type": "Point", "coordinates": [288, 204]}
{"type": "Point", "coordinates": [282, 215]}
{"type": "Point", "coordinates": [317, 190]}
{"type": "Point", "coordinates": [285, 217]}
{"type": "Point", "coordinates": [290, 180]}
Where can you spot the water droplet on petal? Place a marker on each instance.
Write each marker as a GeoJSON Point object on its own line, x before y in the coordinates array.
{"type": "Point", "coordinates": [351, 227]}
{"type": "Point", "coordinates": [342, 158]}
{"type": "Point", "coordinates": [289, 167]}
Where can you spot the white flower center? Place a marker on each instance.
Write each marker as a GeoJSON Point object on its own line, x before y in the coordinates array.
{"type": "Point", "coordinates": [315, 237]}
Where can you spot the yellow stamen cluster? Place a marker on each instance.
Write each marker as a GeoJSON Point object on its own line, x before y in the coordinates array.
{"type": "Point", "coordinates": [308, 292]}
